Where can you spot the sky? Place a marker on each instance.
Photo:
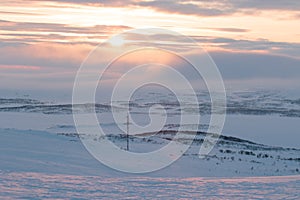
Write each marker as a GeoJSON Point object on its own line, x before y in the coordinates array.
{"type": "Point", "coordinates": [254, 43]}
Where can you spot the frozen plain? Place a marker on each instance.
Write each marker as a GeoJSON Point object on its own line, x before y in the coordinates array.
{"type": "Point", "coordinates": [41, 156]}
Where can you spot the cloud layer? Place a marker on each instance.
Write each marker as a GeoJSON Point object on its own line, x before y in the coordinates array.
{"type": "Point", "coordinates": [200, 7]}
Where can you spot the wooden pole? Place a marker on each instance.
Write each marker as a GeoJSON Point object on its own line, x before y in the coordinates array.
{"type": "Point", "coordinates": [127, 132]}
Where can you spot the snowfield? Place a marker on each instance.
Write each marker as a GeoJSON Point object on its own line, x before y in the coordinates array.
{"type": "Point", "coordinates": [41, 165]}
{"type": "Point", "coordinates": [57, 186]}
{"type": "Point", "coordinates": [38, 151]}
{"type": "Point", "coordinates": [256, 157]}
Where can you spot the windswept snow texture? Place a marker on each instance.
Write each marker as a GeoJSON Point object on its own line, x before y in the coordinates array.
{"type": "Point", "coordinates": [44, 186]}
{"type": "Point", "coordinates": [238, 103]}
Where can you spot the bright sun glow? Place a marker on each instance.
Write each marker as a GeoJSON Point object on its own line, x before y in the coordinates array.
{"type": "Point", "coordinates": [116, 41]}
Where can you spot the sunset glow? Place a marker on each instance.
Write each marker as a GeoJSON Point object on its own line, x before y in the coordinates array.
{"type": "Point", "coordinates": [60, 34]}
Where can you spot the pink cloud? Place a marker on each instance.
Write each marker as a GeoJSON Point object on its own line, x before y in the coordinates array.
{"type": "Point", "coordinates": [17, 67]}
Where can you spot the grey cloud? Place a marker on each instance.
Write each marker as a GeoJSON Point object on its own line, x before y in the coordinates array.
{"type": "Point", "coordinates": [237, 67]}
{"type": "Point", "coordinates": [220, 7]}
{"type": "Point", "coordinates": [181, 44]}
{"type": "Point", "coordinates": [209, 8]}
{"type": "Point", "coordinates": [55, 27]}
{"type": "Point", "coordinates": [250, 65]}
{"type": "Point", "coordinates": [284, 48]}
{"type": "Point", "coordinates": [54, 32]}
{"type": "Point", "coordinates": [14, 43]}
{"type": "Point", "coordinates": [185, 8]}
{"type": "Point", "coordinates": [205, 8]}
{"type": "Point", "coordinates": [267, 4]}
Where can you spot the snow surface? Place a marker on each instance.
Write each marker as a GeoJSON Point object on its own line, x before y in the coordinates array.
{"type": "Point", "coordinates": [42, 156]}
{"type": "Point", "coordinates": [57, 186]}
{"type": "Point", "coordinates": [39, 151]}
{"type": "Point", "coordinates": [38, 164]}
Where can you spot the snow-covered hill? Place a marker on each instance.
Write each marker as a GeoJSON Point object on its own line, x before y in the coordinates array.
{"type": "Point", "coordinates": [41, 154]}
{"type": "Point", "coordinates": [38, 151]}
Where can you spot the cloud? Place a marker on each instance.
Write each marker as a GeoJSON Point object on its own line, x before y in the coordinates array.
{"type": "Point", "coordinates": [254, 65]}
{"type": "Point", "coordinates": [219, 7]}
{"type": "Point", "coordinates": [180, 44]}
{"type": "Point", "coordinates": [266, 4]}
{"type": "Point", "coordinates": [284, 48]}
{"type": "Point", "coordinates": [59, 28]}
{"type": "Point", "coordinates": [184, 7]}
{"type": "Point", "coordinates": [30, 32]}
{"type": "Point", "coordinates": [19, 13]}
{"type": "Point", "coordinates": [57, 49]}
{"type": "Point", "coordinates": [50, 66]}
{"type": "Point", "coordinates": [247, 69]}
{"type": "Point", "coordinates": [200, 7]}
{"type": "Point", "coordinates": [56, 56]}
{"type": "Point", "coordinates": [37, 50]}
{"type": "Point", "coordinates": [56, 27]}
{"type": "Point", "coordinates": [235, 30]}
{"type": "Point", "coordinates": [19, 67]}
